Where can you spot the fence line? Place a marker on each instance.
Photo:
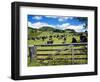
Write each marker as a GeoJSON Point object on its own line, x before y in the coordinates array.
{"type": "Point", "coordinates": [75, 44]}
{"type": "Point", "coordinates": [72, 49]}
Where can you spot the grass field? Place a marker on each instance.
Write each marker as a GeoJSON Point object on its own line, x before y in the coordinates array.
{"type": "Point", "coordinates": [56, 41]}
{"type": "Point", "coordinates": [54, 57]}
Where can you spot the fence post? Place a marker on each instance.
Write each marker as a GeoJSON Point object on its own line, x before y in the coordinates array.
{"type": "Point", "coordinates": [32, 52]}
{"type": "Point", "coordinates": [72, 50]}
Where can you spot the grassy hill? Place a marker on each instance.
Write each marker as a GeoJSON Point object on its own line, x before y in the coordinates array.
{"type": "Point", "coordinates": [36, 32]}
{"type": "Point", "coordinates": [46, 28]}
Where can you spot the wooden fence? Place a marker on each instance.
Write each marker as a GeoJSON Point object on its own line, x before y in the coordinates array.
{"type": "Point", "coordinates": [33, 49]}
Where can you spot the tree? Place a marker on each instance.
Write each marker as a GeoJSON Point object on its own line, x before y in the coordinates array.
{"type": "Point", "coordinates": [83, 20]}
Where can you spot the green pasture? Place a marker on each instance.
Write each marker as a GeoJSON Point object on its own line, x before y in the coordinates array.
{"type": "Point", "coordinates": [64, 59]}
{"type": "Point", "coordinates": [56, 40]}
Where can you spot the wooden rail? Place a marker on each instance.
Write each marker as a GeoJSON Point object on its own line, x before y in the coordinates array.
{"type": "Point", "coordinates": [46, 45]}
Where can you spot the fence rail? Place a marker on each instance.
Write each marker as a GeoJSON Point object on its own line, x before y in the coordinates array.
{"type": "Point", "coordinates": [60, 58]}
{"type": "Point", "coordinates": [57, 49]}
{"type": "Point", "coordinates": [75, 44]}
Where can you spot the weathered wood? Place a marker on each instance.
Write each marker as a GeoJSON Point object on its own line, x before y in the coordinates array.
{"type": "Point", "coordinates": [62, 54]}
{"type": "Point", "coordinates": [32, 52]}
{"type": "Point", "coordinates": [61, 59]}
{"type": "Point", "coordinates": [50, 49]}
{"type": "Point", "coordinates": [46, 45]}
{"type": "Point", "coordinates": [72, 50]}
{"type": "Point", "coordinates": [59, 49]}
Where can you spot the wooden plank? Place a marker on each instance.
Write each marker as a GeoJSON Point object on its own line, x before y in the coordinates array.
{"type": "Point", "coordinates": [50, 45]}
{"type": "Point", "coordinates": [59, 49]}
{"type": "Point", "coordinates": [61, 59]}
{"type": "Point", "coordinates": [62, 54]}
{"type": "Point", "coordinates": [72, 55]}
{"type": "Point", "coordinates": [51, 49]}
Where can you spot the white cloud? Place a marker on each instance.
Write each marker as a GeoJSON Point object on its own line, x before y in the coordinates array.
{"type": "Point", "coordinates": [68, 17]}
{"type": "Point", "coordinates": [60, 19]}
{"type": "Point", "coordinates": [62, 26]}
{"type": "Point", "coordinates": [38, 25]}
{"type": "Point", "coordinates": [30, 24]}
{"type": "Point", "coordinates": [79, 28]}
{"type": "Point", "coordinates": [51, 16]}
{"type": "Point", "coordinates": [37, 17]}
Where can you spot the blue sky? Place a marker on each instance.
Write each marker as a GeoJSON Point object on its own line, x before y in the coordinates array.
{"type": "Point", "coordinates": [59, 22]}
